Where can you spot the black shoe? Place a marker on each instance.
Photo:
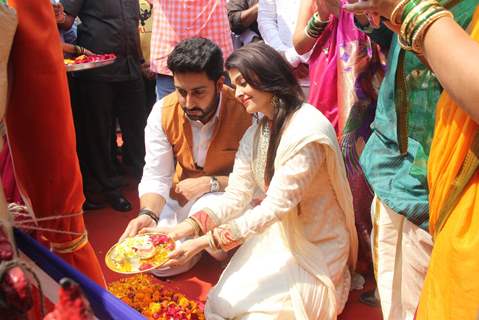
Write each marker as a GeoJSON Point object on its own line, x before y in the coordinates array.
{"type": "Point", "coordinates": [91, 205]}
{"type": "Point", "coordinates": [369, 298]}
{"type": "Point", "coordinates": [119, 202]}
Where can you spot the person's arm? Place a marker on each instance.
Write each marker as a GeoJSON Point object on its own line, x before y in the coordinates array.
{"type": "Point", "coordinates": [74, 49]}
{"type": "Point", "coordinates": [268, 24]}
{"type": "Point", "coordinates": [302, 43]}
{"type": "Point", "coordinates": [456, 68]}
{"type": "Point", "coordinates": [249, 16]}
{"type": "Point", "coordinates": [239, 192]}
{"type": "Point", "coordinates": [285, 191]}
{"type": "Point", "coordinates": [193, 188]}
{"type": "Point", "coordinates": [156, 181]}
{"type": "Point", "coordinates": [240, 15]}
{"type": "Point", "coordinates": [157, 178]}
{"type": "Point", "coordinates": [268, 27]}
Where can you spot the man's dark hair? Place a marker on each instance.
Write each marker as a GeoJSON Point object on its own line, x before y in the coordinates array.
{"type": "Point", "coordinates": [197, 55]}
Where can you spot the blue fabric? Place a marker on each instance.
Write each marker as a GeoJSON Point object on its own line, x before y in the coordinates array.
{"type": "Point", "coordinates": [104, 305]}
{"type": "Point", "coordinates": [70, 35]}
{"type": "Point", "coordinates": [164, 86]}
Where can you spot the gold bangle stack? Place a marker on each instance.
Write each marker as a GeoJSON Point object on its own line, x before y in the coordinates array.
{"type": "Point", "coordinates": [416, 21]}
{"type": "Point", "coordinates": [211, 241]}
{"type": "Point", "coordinates": [418, 37]}
{"type": "Point", "coordinates": [397, 12]}
{"type": "Point", "coordinates": [194, 225]}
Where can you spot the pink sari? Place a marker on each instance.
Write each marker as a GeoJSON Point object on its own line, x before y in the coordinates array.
{"type": "Point", "coordinates": [346, 70]}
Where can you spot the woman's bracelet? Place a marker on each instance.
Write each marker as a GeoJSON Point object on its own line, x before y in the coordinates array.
{"type": "Point", "coordinates": [194, 225]}
{"type": "Point", "coordinates": [79, 50]}
{"type": "Point", "coordinates": [211, 241]}
{"type": "Point", "coordinates": [398, 11]}
{"type": "Point", "coordinates": [416, 20]}
{"type": "Point", "coordinates": [315, 26]}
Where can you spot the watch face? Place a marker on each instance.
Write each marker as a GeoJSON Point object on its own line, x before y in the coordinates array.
{"type": "Point", "coordinates": [215, 185]}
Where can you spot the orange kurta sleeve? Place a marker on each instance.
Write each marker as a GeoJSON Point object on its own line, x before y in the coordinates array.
{"type": "Point", "coordinates": [42, 137]}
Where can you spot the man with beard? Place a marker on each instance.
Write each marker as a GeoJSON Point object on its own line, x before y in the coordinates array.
{"type": "Point", "coordinates": [191, 139]}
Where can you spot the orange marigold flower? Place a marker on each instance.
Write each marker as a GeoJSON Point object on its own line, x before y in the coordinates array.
{"type": "Point", "coordinates": [154, 301]}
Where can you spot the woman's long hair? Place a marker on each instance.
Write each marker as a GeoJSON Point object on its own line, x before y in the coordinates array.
{"type": "Point", "coordinates": [264, 69]}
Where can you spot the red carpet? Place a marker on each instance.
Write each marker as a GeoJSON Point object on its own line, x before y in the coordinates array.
{"type": "Point", "coordinates": [105, 227]}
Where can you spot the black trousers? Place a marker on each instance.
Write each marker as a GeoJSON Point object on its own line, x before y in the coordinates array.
{"type": "Point", "coordinates": [95, 104]}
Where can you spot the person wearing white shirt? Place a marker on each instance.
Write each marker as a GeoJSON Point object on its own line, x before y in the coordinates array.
{"type": "Point", "coordinates": [276, 23]}
{"type": "Point", "coordinates": [191, 139]}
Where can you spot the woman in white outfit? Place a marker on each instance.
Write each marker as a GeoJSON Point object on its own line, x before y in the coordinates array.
{"type": "Point", "coordinates": [288, 204]}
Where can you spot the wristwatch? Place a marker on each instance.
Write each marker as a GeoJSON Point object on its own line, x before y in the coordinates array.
{"type": "Point", "coordinates": [214, 184]}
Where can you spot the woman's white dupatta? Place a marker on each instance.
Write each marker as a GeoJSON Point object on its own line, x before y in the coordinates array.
{"type": "Point", "coordinates": [279, 273]}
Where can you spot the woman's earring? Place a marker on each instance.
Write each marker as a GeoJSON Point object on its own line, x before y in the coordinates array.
{"type": "Point", "coordinates": [275, 103]}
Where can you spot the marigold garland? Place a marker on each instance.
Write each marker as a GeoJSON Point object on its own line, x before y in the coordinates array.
{"type": "Point", "coordinates": [155, 301]}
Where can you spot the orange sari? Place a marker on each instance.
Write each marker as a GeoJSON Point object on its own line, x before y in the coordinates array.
{"type": "Point", "coordinates": [42, 137]}
{"type": "Point", "coordinates": [451, 288]}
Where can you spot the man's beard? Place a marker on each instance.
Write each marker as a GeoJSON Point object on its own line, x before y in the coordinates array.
{"type": "Point", "coordinates": [198, 114]}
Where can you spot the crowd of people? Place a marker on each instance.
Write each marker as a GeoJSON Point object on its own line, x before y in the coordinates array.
{"type": "Point", "coordinates": [314, 139]}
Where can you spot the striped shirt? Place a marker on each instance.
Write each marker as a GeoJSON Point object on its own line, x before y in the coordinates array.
{"type": "Point", "coordinates": [174, 21]}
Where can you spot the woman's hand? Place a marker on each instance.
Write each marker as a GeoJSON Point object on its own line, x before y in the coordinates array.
{"type": "Point", "coordinates": [180, 231]}
{"type": "Point", "coordinates": [328, 7]}
{"type": "Point", "coordinates": [372, 7]}
{"type": "Point", "coordinates": [88, 52]}
{"type": "Point", "coordinates": [186, 251]}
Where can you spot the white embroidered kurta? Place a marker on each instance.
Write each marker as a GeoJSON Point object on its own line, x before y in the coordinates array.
{"type": "Point", "coordinates": [300, 242]}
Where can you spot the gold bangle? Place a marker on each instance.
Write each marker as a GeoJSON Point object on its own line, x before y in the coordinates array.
{"type": "Point", "coordinates": [419, 20]}
{"type": "Point", "coordinates": [194, 225]}
{"type": "Point", "coordinates": [412, 20]}
{"type": "Point", "coordinates": [418, 38]}
{"type": "Point", "coordinates": [211, 240]}
{"type": "Point", "coordinates": [413, 15]}
{"type": "Point", "coordinates": [397, 11]}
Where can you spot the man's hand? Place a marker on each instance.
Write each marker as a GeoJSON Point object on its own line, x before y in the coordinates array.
{"type": "Point", "coordinates": [192, 188]}
{"type": "Point", "coordinates": [147, 73]}
{"type": "Point", "coordinates": [135, 225]}
{"type": "Point", "coordinates": [301, 71]}
{"type": "Point", "coordinates": [186, 251]}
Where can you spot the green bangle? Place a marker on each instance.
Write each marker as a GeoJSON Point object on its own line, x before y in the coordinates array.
{"type": "Point", "coordinates": [411, 5]}
{"type": "Point", "coordinates": [411, 19]}
{"type": "Point", "coordinates": [420, 20]}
